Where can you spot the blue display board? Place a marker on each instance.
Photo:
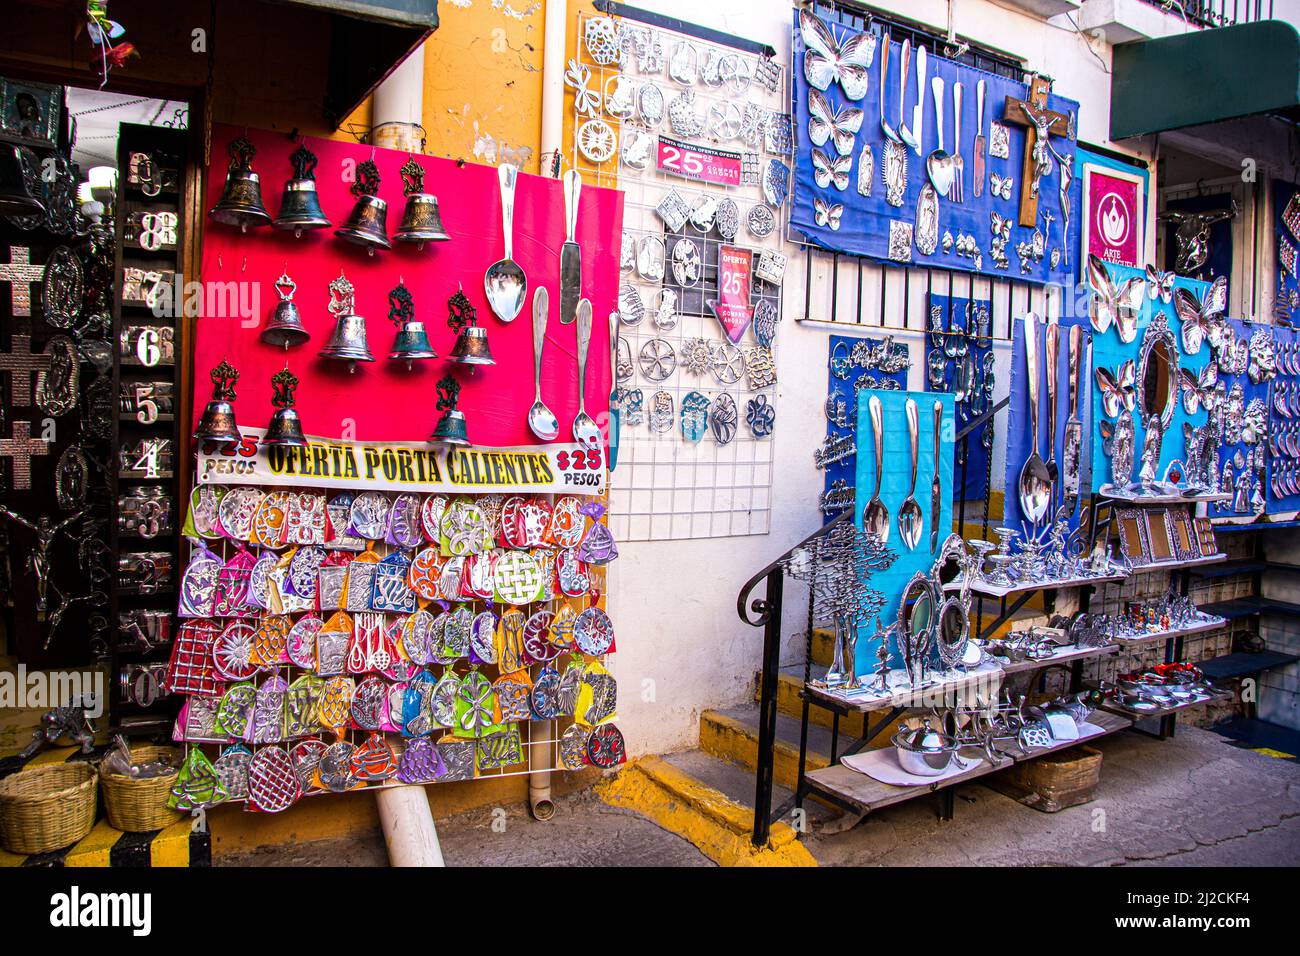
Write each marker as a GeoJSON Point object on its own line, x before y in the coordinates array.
{"type": "Point", "coordinates": [1019, 431]}
{"type": "Point", "coordinates": [895, 477]}
{"type": "Point", "coordinates": [1286, 390]}
{"type": "Point", "coordinates": [957, 316]}
{"type": "Point", "coordinates": [1254, 485]}
{"type": "Point", "coordinates": [845, 378]}
{"type": "Point", "coordinates": [861, 224]}
{"type": "Point", "coordinates": [1109, 352]}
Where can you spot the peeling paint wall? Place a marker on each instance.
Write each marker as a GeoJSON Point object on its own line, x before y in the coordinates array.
{"type": "Point", "coordinates": [483, 82]}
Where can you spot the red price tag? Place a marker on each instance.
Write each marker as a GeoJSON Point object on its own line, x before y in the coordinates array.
{"type": "Point", "coordinates": [732, 307]}
{"type": "Point", "coordinates": [702, 163]}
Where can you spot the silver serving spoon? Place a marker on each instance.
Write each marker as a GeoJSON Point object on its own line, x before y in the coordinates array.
{"type": "Point", "coordinates": [875, 520]}
{"type": "Point", "coordinates": [541, 419]}
{"type": "Point", "coordinates": [909, 515]}
{"type": "Point", "coordinates": [585, 430]}
{"type": "Point", "coordinates": [1035, 483]}
{"type": "Point", "coordinates": [940, 166]}
{"type": "Point", "coordinates": [504, 283]}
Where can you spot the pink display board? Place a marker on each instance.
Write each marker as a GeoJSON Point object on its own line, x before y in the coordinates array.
{"type": "Point", "coordinates": [383, 400]}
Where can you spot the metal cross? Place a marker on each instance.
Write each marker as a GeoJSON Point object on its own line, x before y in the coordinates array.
{"type": "Point", "coordinates": [21, 448]}
{"type": "Point", "coordinates": [20, 362]}
{"type": "Point", "coordinates": [23, 275]}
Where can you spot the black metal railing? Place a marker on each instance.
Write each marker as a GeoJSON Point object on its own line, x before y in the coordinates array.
{"type": "Point", "coordinates": [1217, 13]}
{"type": "Point", "coordinates": [766, 612]}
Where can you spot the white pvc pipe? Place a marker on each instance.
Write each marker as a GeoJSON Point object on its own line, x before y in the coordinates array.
{"type": "Point", "coordinates": [553, 40]}
{"type": "Point", "coordinates": [409, 832]}
{"type": "Point", "coordinates": [398, 118]}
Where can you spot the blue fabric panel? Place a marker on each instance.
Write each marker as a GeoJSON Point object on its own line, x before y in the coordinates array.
{"type": "Point", "coordinates": [1274, 505]}
{"type": "Point", "coordinates": [1250, 392]}
{"type": "Point", "coordinates": [896, 473]}
{"type": "Point", "coordinates": [864, 223]}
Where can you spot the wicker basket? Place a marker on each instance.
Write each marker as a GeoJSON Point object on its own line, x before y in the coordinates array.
{"type": "Point", "coordinates": [47, 808]}
{"type": "Point", "coordinates": [140, 805]}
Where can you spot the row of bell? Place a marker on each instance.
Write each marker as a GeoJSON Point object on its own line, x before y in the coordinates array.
{"type": "Point", "coordinates": [348, 342]}
{"type": "Point", "coordinates": [217, 425]}
{"type": "Point", "coordinates": [241, 205]}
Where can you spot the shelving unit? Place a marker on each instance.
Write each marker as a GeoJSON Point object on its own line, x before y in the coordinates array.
{"type": "Point", "coordinates": [141, 364]}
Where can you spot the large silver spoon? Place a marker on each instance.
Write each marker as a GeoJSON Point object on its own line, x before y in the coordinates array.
{"type": "Point", "coordinates": [541, 419]}
{"type": "Point", "coordinates": [1035, 483]}
{"type": "Point", "coordinates": [504, 283]}
{"type": "Point", "coordinates": [585, 429]}
{"type": "Point", "coordinates": [909, 515]}
{"type": "Point", "coordinates": [875, 520]}
{"type": "Point", "coordinates": [940, 166]}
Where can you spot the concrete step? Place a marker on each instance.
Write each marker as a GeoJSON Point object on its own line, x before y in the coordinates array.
{"type": "Point", "coordinates": [676, 793]}
{"type": "Point", "coordinates": [788, 687]}
{"type": "Point", "coordinates": [737, 783]}
{"type": "Point", "coordinates": [732, 735]}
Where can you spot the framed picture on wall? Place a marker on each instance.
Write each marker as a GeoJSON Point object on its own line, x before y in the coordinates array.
{"type": "Point", "coordinates": [1114, 204]}
{"type": "Point", "coordinates": [30, 112]}
{"type": "Point", "coordinates": [1133, 535]}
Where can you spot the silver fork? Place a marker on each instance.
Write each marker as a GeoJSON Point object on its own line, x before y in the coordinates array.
{"type": "Point", "coordinates": [958, 184]}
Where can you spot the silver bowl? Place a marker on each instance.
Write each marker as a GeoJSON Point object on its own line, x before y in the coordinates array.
{"type": "Point", "coordinates": [922, 751]}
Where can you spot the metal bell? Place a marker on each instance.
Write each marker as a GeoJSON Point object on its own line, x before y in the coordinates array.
{"type": "Point", "coordinates": [412, 342]}
{"type": "Point", "coordinates": [16, 181]}
{"type": "Point", "coordinates": [451, 430]}
{"type": "Point", "coordinates": [368, 224]}
{"type": "Point", "coordinates": [241, 199]}
{"type": "Point", "coordinates": [420, 220]}
{"type": "Point", "coordinates": [217, 424]}
{"type": "Point", "coordinates": [348, 343]}
{"type": "Point", "coordinates": [285, 428]}
{"type": "Point", "coordinates": [284, 327]}
{"type": "Point", "coordinates": [471, 346]}
{"type": "Point", "coordinates": [300, 205]}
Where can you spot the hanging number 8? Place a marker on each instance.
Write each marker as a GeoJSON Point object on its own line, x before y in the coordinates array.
{"type": "Point", "coordinates": [157, 229]}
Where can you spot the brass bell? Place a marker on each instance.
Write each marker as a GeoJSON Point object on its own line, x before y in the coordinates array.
{"type": "Point", "coordinates": [17, 179]}
{"type": "Point", "coordinates": [412, 342]}
{"type": "Point", "coordinates": [368, 224]}
{"type": "Point", "coordinates": [217, 423]}
{"type": "Point", "coordinates": [420, 220]}
{"type": "Point", "coordinates": [241, 199]}
{"type": "Point", "coordinates": [284, 327]}
{"type": "Point", "coordinates": [348, 343]}
{"type": "Point", "coordinates": [471, 346]}
{"type": "Point", "coordinates": [300, 205]}
{"type": "Point", "coordinates": [285, 428]}
{"type": "Point", "coordinates": [452, 429]}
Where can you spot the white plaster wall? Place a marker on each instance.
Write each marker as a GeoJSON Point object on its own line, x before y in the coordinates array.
{"type": "Point", "coordinates": [682, 648]}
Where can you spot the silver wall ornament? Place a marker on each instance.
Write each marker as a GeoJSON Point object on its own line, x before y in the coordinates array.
{"type": "Point", "coordinates": [704, 212]}
{"type": "Point", "coordinates": [688, 266]}
{"type": "Point", "coordinates": [866, 170]}
{"type": "Point", "coordinates": [673, 210]}
{"type": "Point", "coordinates": [900, 241]}
{"type": "Point", "coordinates": [657, 360]}
{"type": "Point", "coordinates": [760, 416]}
{"type": "Point", "coordinates": [661, 412]}
{"type": "Point", "coordinates": [665, 309]}
{"type": "Point", "coordinates": [596, 141]}
{"type": "Point", "coordinates": [637, 148]}
{"type": "Point", "coordinates": [761, 221]}
{"type": "Point", "coordinates": [600, 35]}
{"type": "Point", "coordinates": [926, 231]}
{"type": "Point", "coordinates": [631, 308]}
{"type": "Point", "coordinates": [650, 256]}
{"type": "Point", "coordinates": [63, 288]}
{"type": "Point", "coordinates": [727, 219]}
{"type": "Point", "coordinates": [650, 104]}
{"type": "Point", "coordinates": [620, 97]}
{"type": "Point", "coordinates": [724, 419]}
{"type": "Point", "coordinates": [57, 383]}
{"type": "Point", "coordinates": [893, 172]}
{"type": "Point", "coordinates": [727, 362]}
{"type": "Point", "coordinates": [766, 319]}
{"type": "Point", "coordinates": [695, 416]}
{"type": "Point", "coordinates": [827, 215]}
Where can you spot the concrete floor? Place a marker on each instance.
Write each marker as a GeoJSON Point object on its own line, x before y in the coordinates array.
{"type": "Point", "coordinates": [1194, 800]}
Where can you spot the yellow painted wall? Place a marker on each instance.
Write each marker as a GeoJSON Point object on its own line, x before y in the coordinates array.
{"type": "Point", "coordinates": [483, 82]}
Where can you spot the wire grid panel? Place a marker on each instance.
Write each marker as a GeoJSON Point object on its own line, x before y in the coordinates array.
{"type": "Point", "coordinates": [540, 740]}
{"type": "Point", "coordinates": [670, 487]}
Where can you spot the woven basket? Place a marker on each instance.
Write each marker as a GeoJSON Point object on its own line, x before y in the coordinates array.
{"type": "Point", "coordinates": [47, 808]}
{"type": "Point", "coordinates": [140, 805]}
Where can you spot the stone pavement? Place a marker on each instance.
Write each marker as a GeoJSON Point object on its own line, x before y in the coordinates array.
{"type": "Point", "coordinates": [1194, 800]}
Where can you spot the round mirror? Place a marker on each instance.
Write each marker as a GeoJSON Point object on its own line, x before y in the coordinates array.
{"type": "Point", "coordinates": [1158, 385]}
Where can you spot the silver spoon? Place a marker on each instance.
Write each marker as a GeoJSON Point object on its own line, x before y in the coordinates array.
{"type": "Point", "coordinates": [1035, 483]}
{"type": "Point", "coordinates": [585, 430]}
{"type": "Point", "coordinates": [909, 515]}
{"type": "Point", "coordinates": [875, 520]}
{"type": "Point", "coordinates": [540, 418]}
{"type": "Point", "coordinates": [940, 166]}
{"type": "Point", "coordinates": [504, 283]}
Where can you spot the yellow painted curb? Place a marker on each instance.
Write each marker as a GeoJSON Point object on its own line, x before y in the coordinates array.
{"type": "Point", "coordinates": [171, 847]}
{"type": "Point", "coordinates": [95, 848]}
{"type": "Point", "coordinates": [1270, 752]}
{"type": "Point", "coordinates": [718, 826]}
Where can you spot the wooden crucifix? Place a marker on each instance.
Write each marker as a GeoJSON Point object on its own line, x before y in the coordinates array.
{"type": "Point", "coordinates": [1039, 123]}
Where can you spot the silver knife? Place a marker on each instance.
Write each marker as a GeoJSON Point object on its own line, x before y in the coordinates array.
{"type": "Point", "coordinates": [979, 139]}
{"type": "Point", "coordinates": [614, 416]}
{"type": "Point", "coordinates": [918, 111]}
{"type": "Point", "coordinates": [570, 255]}
{"type": "Point", "coordinates": [1072, 448]}
{"type": "Point", "coordinates": [936, 490]}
